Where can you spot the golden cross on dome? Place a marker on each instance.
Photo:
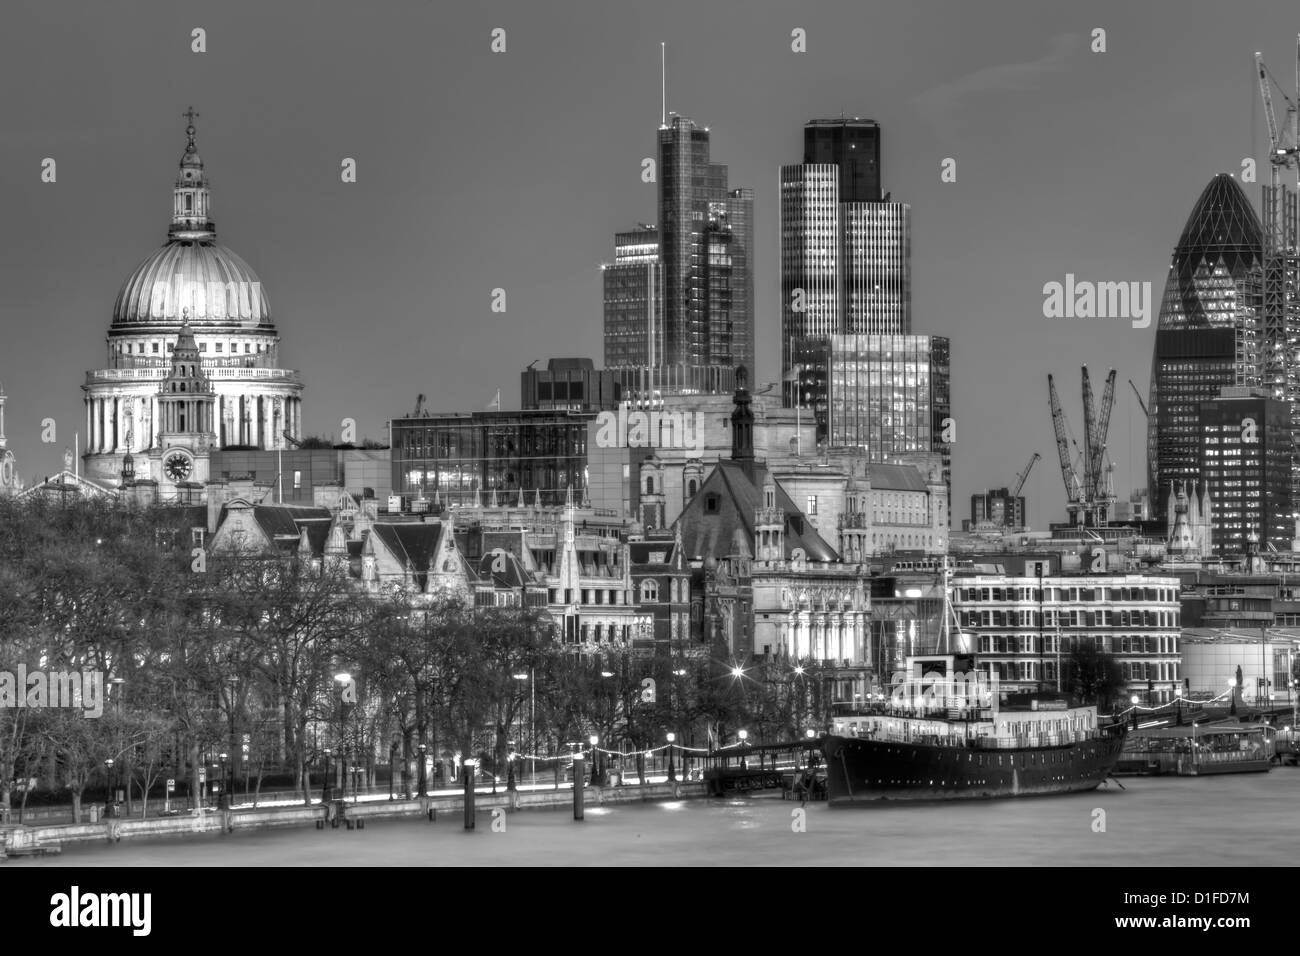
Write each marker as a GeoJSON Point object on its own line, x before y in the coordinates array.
{"type": "Point", "coordinates": [190, 116]}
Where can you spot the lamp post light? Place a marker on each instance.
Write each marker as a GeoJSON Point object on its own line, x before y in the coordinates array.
{"type": "Point", "coordinates": [595, 762]}
{"type": "Point", "coordinates": [1178, 701]}
{"type": "Point", "coordinates": [325, 785]}
{"type": "Point", "coordinates": [225, 789]}
{"type": "Point", "coordinates": [108, 773]}
{"type": "Point", "coordinates": [422, 748]}
{"type": "Point", "coordinates": [1134, 701]}
{"type": "Point", "coordinates": [392, 765]}
{"type": "Point", "coordinates": [744, 736]}
{"type": "Point", "coordinates": [672, 770]}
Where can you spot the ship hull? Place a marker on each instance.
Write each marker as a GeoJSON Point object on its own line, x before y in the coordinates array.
{"type": "Point", "coordinates": [867, 771]}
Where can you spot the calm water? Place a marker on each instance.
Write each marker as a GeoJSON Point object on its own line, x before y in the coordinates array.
{"type": "Point", "coordinates": [1246, 819]}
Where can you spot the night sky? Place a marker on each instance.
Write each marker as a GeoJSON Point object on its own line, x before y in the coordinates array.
{"type": "Point", "coordinates": [479, 170]}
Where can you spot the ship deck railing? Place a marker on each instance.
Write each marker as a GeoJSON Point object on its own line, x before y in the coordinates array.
{"type": "Point", "coordinates": [981, 741]}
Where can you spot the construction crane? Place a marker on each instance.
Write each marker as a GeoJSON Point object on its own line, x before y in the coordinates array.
{"type": "Point", "coordinates": [1141, 404]}
{"type": "Point", "coordinates": [1280, 236]}
{"type": "Point", "coordinates": [1097, 437]}
{"type": "Point", "coordinates": [1089, 496]}
{"type": "Point", "coordinates": [1024, 475]}
{"type": "Point", "coordinates": [1068, 474]}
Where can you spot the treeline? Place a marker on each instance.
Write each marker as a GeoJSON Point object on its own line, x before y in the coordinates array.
{"type": "Point", "coordinates": [274, 663]}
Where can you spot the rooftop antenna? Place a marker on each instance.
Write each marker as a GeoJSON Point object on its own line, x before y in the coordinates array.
{"type": "Point", "coordinates": [663, 85]}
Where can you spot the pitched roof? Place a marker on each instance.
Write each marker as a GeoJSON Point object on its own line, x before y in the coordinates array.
{"type": "Point", "coordinates": [413, 544]}
{"type": "Point", "coordinates": [738, 487]}
{"type": "Point", "coordinates": [896, 477]}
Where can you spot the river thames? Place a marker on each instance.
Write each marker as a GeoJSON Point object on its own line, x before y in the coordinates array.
{"type": "Point", "coordinates": [1234, 820]}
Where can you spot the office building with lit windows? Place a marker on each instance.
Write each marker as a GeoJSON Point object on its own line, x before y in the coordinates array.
{"type": "Point", "coordinates": [1023, 627]}
{"type": "Point", "coordinates": [679, 296]}
{"type": "Point", "coordinates": [888, 395]}
{"type": "Point", "coordinates": [490, 458]}
{"type": "Point", "coordinates": [1245, 463]}
{"type": "Point", "coordinates": [633, 313]}
{"type": "Point", "coordinates": [1208, 333]}
{"type": "Point", "coordinates": [845, 250]}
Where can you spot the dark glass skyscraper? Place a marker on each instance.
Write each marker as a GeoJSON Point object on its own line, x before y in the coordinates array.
{"type": "Point", "coordinates": [705, 251]}
{"type": "Point", "coordinates": [679, 296]}
{"type": "Point", "coordinates": [1208, 335]}
{"type": "Point", "coordinates": [853, 147]}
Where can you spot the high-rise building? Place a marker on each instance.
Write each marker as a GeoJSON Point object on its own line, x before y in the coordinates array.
{"type": "Point", "coordinates": [679, 299]}
{"type": "Point", "coordinates": [633, 316]}
{"type": "Point", "coordinates": [845, 253]}
{"type": "Point", "coordinates": [853, 147]}
{"type": "Point", "coordinates": [1208, 334]}
{"type": "Point", "coordinates": [888, 395]}
{"type": "Point", "coordinates": [1245, 462]}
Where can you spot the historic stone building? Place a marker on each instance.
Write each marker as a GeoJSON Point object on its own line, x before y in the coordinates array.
{"type": "Point", "coordinates": [193, 358]}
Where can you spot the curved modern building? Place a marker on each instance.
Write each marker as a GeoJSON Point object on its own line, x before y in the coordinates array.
{"type": "Point", "coordinates": [1208, 334]}
{"type": "Point", "coordinates": [192, 356]}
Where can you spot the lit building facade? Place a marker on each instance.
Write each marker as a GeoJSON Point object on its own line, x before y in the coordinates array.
{"type": "Point", "coordinates": [633, 316]}
{"type": "Point", "coordinates": [1024, 634]}
{"type": "Point", "coordinates": [889, 395]}
{"type": "Point", "coordinates": [705, 276]}
{"type": "Point", "coordinates": [845, 249]}
{"type": "Point", "coordinates": [486, 457]}
{"type": "Point", "coordinates": [192, 294]}
{"type": "Point", "coordinates": [1208, 333]}
{"type": "Point", "coordinates": [1245, 461]}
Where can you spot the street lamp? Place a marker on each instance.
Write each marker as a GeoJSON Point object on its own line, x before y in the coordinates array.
{"type": "Point", "coordinates": [1134, 701]}
{"type": "Point", "coordinates": [392, 764]}
{"type": "Point", "coordinates": [595, 760]}
{"type": "Point", "coordinates": [108, 772]}
{"type": "Point", "coordinates": [532, 718]}
{"type": "Point", "coordinates": [225, 790]}
{"type": "Point", "coordinates": [743, 735]}
{"type": "Point", "coordinates": [422, 749]}
{"type": "Point", "coordinates": [325, 785]}
{"type": "Point", "coordinates": [672, 771]}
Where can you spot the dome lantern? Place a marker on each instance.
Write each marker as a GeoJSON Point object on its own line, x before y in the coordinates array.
{"type": "Point", "coordinates": [191, 200]}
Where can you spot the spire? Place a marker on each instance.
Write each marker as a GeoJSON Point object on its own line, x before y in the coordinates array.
{"type": "Point", "coordinates": [190, 197]}
{"type": "Point", "coordinates": [742, 420]}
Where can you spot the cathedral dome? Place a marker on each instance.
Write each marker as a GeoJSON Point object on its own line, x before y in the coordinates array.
{"type": "Point", "coordinates": [200, 276]}
{"type": "Point", "coordinates": [192, 274]}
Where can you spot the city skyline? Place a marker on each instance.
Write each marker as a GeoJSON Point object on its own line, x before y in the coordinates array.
{"type": "Point", "coordinates": [361, 278]}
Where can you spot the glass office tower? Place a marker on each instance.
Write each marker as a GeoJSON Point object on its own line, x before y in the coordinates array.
{"type": "Point", "coordinates": [889, 395]}
{"type": "Point", "coordinates": [1245, 458]}
{"type": "Point", "coordinates": [696, 209]}
{"type": "Point", "coordinates": [1208, 334]}
{"type": "Point", "coordinates": [845, 251]}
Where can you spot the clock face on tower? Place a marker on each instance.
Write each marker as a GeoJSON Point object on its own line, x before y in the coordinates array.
{"type": "Point", "coordinates": [177, 467]}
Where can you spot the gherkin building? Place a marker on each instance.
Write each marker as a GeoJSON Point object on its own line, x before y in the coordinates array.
{"type": "Point", "coordinates": [1209, 331]}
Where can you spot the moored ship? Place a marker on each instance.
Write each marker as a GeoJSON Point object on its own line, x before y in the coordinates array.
{"type": "Point", "coordinates": [939, 740]}
{"type": "Point", "coordinates": [944, 732]}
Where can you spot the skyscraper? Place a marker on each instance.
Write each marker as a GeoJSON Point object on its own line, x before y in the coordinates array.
{"type": "Point", "coordinates": [1208, 334]}
{"type": "Point", "coordinates": [633, 318]}
{"type": "Point", "coordinates": [845, 253]}
{"type": "Point", "coordinates": [1245, 459]}
{"type": "Point", "coordinates": [703, 324]}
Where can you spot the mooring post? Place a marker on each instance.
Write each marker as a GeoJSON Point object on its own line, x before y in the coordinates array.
{"type": "Point", "coordinates": [469, 795]}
